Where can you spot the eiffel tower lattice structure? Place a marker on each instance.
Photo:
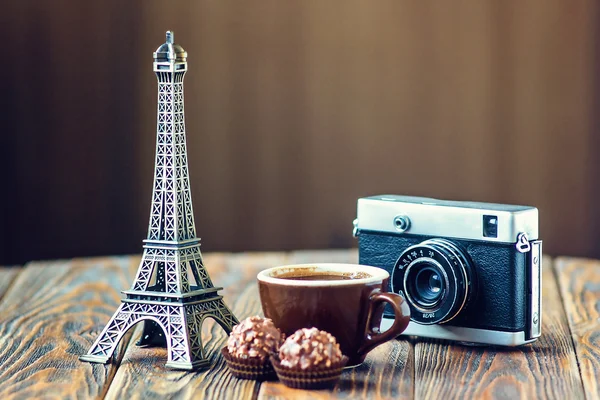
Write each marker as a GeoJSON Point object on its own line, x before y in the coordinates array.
{"type": "Point", "coordinates": [172, 292]}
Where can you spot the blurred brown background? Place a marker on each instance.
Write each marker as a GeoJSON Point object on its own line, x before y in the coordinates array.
{"type": "Point", "coordinates": [293, 111]}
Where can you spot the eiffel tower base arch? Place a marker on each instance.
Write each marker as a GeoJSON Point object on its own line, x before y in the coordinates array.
{"type": "Point", "coordinates": [181, 323]}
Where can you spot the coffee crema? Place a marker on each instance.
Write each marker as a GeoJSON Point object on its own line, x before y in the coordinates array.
{"type": "Point", "coordinates": [322, 276]}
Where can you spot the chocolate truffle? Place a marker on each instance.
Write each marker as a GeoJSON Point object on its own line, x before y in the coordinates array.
{"type": "Point", "coordinates": [309, 349]}
{"type": "Point", "coordinates": [254, 337]}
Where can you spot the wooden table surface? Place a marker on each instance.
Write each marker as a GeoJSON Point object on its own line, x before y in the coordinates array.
{"type": "Point", "coordinates": [50, 313]}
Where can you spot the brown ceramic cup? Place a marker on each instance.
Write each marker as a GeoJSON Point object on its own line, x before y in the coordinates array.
{"type": "Point", "coordinates": [350, 308]}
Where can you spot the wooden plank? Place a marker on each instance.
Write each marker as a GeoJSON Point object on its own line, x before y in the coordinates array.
{"type": "Point", "coordinates": [387, 372]}
{"type": "Point", "coordinates": [50, 315]}
{"type": "Point", "coordinates": [142, 373]}
{"type": "Point", "coordinates": [544, 369]}
{"type": "Point", "coordinates": [7, 276]}
{"type": "Point", "coordinates": [579, 282]}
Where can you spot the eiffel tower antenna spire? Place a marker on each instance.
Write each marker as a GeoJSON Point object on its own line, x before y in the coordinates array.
{"type": "Point", "coordinates": [172, 291]}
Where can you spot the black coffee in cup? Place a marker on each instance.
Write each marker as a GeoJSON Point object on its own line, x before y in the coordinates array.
{"type": "Point", "coordinates": [320, 276]}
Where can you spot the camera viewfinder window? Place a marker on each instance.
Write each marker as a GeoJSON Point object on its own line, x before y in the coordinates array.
{"type": "Point", "coordinates": [490, 226]}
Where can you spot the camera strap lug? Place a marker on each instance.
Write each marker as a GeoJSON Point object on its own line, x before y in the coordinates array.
{"type": "Point", "coordinates": [355, 230]}
{"type": "Point", "coordinates": [523, 245]}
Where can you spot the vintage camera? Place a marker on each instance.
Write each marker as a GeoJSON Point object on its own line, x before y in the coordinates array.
{"type": "Point", "coordinates": [469, 271]}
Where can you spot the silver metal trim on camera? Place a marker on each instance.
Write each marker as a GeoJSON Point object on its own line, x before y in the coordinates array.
{"type": "Point", "coordinates": [535, 300]}
{"type": "Point", "coordinates": [461, 334]}
{"type": "Point", "coordinates": [443, 218]}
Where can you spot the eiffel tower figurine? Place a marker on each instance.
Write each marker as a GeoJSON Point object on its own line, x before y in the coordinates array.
{"type": "Point", "coordinates": [163, 294]}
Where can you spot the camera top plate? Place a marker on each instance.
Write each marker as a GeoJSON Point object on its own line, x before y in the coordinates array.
{"type": "Point", "coordinates": [443, 218]}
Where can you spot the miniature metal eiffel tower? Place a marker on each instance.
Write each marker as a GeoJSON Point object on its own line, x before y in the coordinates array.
{"type": "Point", "coordinates": [162, 294]}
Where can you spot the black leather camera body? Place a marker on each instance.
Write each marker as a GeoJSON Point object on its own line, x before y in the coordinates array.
{"type": "Point", "coordinates": [469, 271]}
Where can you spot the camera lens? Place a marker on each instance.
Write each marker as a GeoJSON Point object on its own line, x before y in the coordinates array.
{"type": "Point", "coordinates": [436, 278]}
{"type": "Point", "coordinates": [428, 285]}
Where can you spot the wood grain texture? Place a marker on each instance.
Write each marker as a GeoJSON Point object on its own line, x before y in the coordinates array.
{"type": "Point", "coordinates": [7, 276]}
{"type": "Point", "coordinates": [544, 369]}
{"type": "Point", "coordinates": [143, 375]}
{"type": "Point", "coordinates": [387, 372]}
{"type": "Point", "coordinates": [50, 315]}
{"type": "Point", "coordinates": [579, 282]}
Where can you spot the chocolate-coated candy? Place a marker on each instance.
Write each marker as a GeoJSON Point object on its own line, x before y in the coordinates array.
{"type": "Point", "coordinates": [309, 348]}
{"type": "Point", "coordinates": [254, 337]}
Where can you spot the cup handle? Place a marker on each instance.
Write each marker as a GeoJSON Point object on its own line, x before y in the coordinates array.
{"type": "Point", "coordinates": [373, 336]}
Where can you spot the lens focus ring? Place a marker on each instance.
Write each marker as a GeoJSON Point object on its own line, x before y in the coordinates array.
{"type": "Point", "coordinates": [435, 277]}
